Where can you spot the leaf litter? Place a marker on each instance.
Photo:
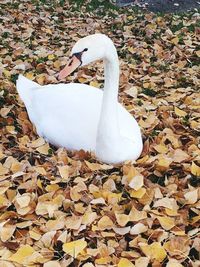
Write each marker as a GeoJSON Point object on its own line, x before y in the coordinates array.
{"type": "Point", "coordinates": [63, 208]}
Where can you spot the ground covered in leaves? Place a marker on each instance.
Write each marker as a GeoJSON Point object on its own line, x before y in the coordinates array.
{"type": "Point", "coordinates": [59, 208]}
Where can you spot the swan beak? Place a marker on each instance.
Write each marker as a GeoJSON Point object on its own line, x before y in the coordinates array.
{"type": "Point", "coordinates": [73, 64]}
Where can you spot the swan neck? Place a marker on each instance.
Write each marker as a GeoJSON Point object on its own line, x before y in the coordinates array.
{"type": "Point", "coordinates": [108, 125]}
{"type": "Point", "coordinates": [111, 72]}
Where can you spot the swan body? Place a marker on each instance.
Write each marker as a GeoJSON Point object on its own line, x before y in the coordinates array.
{"type": "Point", "coordinates": [78, 116]}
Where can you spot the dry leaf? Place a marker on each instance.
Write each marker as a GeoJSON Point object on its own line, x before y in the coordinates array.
{"type": "Point", "coordinates": [154, 251]}
{"type": "Point", "coordinates": [167, 223]}
{"type": "Point", "coordinates": [74, 248]}
{"type": "Point", "coordinates": [105, 223]}
{"type": "Point", "coordinates": [195, 169]}
{"type": "Point", "coordinates": [22, 255]}
{"type": "Point", "coordinates": [125, 263]}
{"type": "Point", "coordinates": [191, 196]}
{"type": "Point", "coordinates": [138, 229]}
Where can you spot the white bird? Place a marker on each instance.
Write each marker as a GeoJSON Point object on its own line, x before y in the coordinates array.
{"type": "Point", "coordinates": [78, 116]}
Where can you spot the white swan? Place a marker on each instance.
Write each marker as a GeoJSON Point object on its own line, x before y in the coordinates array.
{"type": "Point", "coordinates": [78, 116]}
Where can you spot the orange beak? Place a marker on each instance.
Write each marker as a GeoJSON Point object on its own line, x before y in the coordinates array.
{"type": "Point", "coordinates": [73, 64]}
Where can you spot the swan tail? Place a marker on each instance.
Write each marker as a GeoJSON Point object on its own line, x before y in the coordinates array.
{"type": "Point", "coordinates": [24, 88]}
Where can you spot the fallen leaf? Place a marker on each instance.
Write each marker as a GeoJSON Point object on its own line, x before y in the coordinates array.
{"type": "Point", "coordinates": [191, 196]}
{"type": "Point", "coordinates": [22, 255]}
{"type": "Point", "coordinates": [125, 263]}
{"type": "Point", "coordinates": [74, 248]}
{"type": "Point", "coordinates": [138, 229]}
{"type": "Point", "coordinates": [154, 251]}
{"type": "Point", "coordinates": [195, 169]}
{"type": "Point", "coordinates": [167, 223]}
{"type": "Point", "coordinates": [105, 223]}
{"type": "Point", "coordinates": [180, 112]}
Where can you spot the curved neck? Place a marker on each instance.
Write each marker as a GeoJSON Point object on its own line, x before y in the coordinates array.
{"type": "Point", "coordinates": [108, 128]}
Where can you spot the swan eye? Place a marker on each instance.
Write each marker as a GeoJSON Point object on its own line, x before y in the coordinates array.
{"type": "Point", "coordinates": [86, 49]}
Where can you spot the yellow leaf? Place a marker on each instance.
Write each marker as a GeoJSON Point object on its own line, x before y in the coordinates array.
{"type": "Point", "coordinates": [57, 224]}
{"type": "Point", "coordinates": [142, 262]}
{"type": "Point", "coordinates": [139, 193]}
{"type": "Point", "coordinates": [136, 215]}
{"type": "Point", "coordinates": [29, 76]}
{"type": "Point", "coordinates": [194, 125]}
{"type": "Point", "coordinates": [195, 169]}
{"type": "Point", "coordinates": [4, 201]}
{"type": "Point", "coordinates": [6, 264]}
{"type": "Point", "coordinates": [103, 260]}
{"type": "Point", "coordinates": [167, 223]}
{"type": "Point", "coordinates": [39, 184]}
{"type": "Point", "coordinates": [198, 53]}
{"type": "Point", "coordinates": [23, 200]}
{"type": "Point", "coordinates": [34, 235]}
{"type": "Point", "coordinates": [137, 182]}
{"type": "Point", "coordinates": [95, 84]}
{"type": "Point", "coordinates": [125, 263]}
{"type": "Point", "coordinates": [41, 78]}
{"type": "Point", "coordinates": [3, 170]}
{"type": "Point", "coordinates": [57, 64]}
{"type": "Point", "coordinates": [2, 155]}
{"type": "Point", "coordinates": [180, 155]}
{"type": "Point", "coordinates": [131, 49]}
{"type": "Point", "coordinates": [170, 212]}
{"type": "Point", "coordinates": [51, 57]}
{"type": "Point", "coordinates": [43, 149]}
{"type": "Point", "coordinates": [173, 263]}
{"type": "Point", "coordinates": [191, 196]}
{"type": "Point", "coordinates": [64, 172]}
{"type": "Point", "coordinates": [88, 264]}
{"type": "Point", "coordinates": [133, 91]}
{"type": "Point", "coordinates": [52, 187]}
{"type": "Point", "coordinates": [6, 73]}
{"type": "Point", "coordinates": [52, 264]}
{"type": "Point", "coordinates": [163, 162]}
{"type": "Point", "coordinates": [40, 170]}
{"type": "Point", "coordinates": [89, 217]}
{"type": "Point", "coordinates": [82, 80]}
{"type": "Point", "coordinates": [166, 202]}
{"type": "Point", "coordinates": [138, 229]}
{"type": "Point", "coordinates": [130, 17]}
{"type": "Point", "coordinates": [105, 223]}
{"type": "Point", "coordinates": [22, 254]}
{"type": "Point", "coordinates": [168, 82]}
{"type": "Point", "coordinates": [175, 40]}
{"type": "Point", "coordinates": [122, 219]}
{"type": "Point", "coordinates": [160, 149]}
{"type": "Point", "coordinates": [93, 166]}
{"type": "Point", "coordinates": [146, 85]}
{"type": "Point", "coordinates": [6, 231]}
{"type": "Point", "coordinates": [38, 142]}
{"type": "Point", "coordinates": [154, 251]}
{"type": "Point", "coordinates": [75, 247]}
{"type": "Point", "coordinates": [195, 219]}
{"type": "Point", "coordinates": [179, 112]}
{"type": "Point", "coordinates": [11, 129]}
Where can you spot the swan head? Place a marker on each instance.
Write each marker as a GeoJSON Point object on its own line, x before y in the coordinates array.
{"type": "Point", "coordinates": [87, 50]}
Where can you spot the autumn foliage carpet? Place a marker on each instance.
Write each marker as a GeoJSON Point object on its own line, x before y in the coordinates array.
{"type": "Point", "coordinates": [59, 208]}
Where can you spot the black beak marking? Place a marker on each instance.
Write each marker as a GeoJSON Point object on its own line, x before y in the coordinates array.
{"type": "Point", "coordinates": [79, 56]}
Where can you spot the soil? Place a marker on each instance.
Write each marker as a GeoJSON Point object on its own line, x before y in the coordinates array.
{"type": "Point", "coordinates": [163, 6]}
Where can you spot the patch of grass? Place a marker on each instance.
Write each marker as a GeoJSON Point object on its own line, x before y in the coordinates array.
{"type": "Point", "coordinates": [14, 78]}
{"type": "Point", "coordinates": [149, 92]}
{"type": "Point", "coordinates": [185, 120]}
{"type": "Point", "coordinates": [5, 34]}
{"type": "Point", "coordinates": [178, 27]}
{"type": "Point", "coordinates": [42, 60]}
{"type": "Point", "coordinates": [99, 7]}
